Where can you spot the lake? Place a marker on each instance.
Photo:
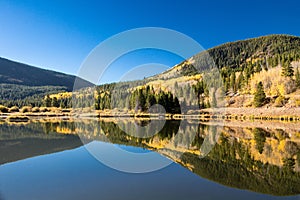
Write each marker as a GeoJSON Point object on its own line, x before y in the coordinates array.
{"type": "Point", "coordinates": [128, 159]}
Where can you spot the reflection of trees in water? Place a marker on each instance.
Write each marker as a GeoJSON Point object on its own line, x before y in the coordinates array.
{"type": "Point", "coordinates": [199, 137]}
{"type": "Point", "coordinates": [33, 130]}
{"type": "Point", "coordinates": [210, 140]}
{"type": "Point", "coordinates": [185, 135]}
{"type": "Point", "coordinates": [20, 141]}
{"type": "Point", "coordinates": [191, 135]}
{"type": "Point", "coordinates": [230, 160]}
{"type": "Point", "coordinates": [260, 138]}
{"type": "Point", "coordinates": [188, 135]}
{"type": "Point", "coordinates": [291, 148]}
{"type": "Point", "coordinates": [231, 163]}
{"type": "Point", "coordinates": [298, 158]}
{"type": "Point", "coordinates": [289, 164]}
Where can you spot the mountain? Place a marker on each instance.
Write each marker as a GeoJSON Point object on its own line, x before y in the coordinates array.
{"type": "Point", "coordinates": [239, 53]}
{"type": "Point", "coordinates": [21, 74]}
{"type": "Point", "coordinates": [226, 75]}
{"type": "Point", "coordinates": [232, 70]}
{"type": "Point", "coordinates": [22, 84]}
{"type": "Point", "coordinates": [267, 51]}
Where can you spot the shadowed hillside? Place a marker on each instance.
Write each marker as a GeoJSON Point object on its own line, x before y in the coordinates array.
{"type": "Point", "coordinates": [22, 84]}
{"type": "Point", "coordinates": [21, 74]}
{"type": "Point", "coordinates": [18, 142]}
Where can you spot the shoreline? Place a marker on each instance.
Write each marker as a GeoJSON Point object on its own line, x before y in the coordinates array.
{"type": "Point", "coordinates": [270, 114]}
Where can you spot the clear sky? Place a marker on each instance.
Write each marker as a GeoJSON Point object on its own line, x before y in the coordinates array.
{"type": "Point", "coordinates": [59, 34]}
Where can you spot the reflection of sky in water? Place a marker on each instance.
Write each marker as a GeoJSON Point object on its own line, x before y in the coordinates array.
{"type": "Point", "coordinates": [133, 149]}
{"type": "Point", "coordinates": [126, 161]}
{"type": "Point", "coordinates": [75, 174]}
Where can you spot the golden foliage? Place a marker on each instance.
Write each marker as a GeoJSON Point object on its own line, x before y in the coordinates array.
{"type": "Point", "coordinates": [25, 109]}
{"type": "Point", "coordinates": [274, 84]}
{"type": "Point", "coordinates": [62, 95]}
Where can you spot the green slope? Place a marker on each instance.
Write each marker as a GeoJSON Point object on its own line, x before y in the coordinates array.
{"type": "Point", "coordinates": [267, 51]}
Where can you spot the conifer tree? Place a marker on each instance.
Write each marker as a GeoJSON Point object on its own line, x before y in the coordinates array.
{"type": "Point", "coordinates": [214, 100]}
{"type": "Point", "coordinates": [259, 96]}
{"type": "Point", "coordinates": [287, 70]}
{"type": "Point", "coordinates": [47, 101]}
{"type": "Point", "coordinates": [55, 102]}
{"type": "Point", "coordinates": [233, 82]}
{"type": "Point", "coordinates": [297, 77]}
{"type": "Point", "coordinates": [240, 81]}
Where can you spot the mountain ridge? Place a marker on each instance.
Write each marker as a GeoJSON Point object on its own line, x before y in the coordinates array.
{"type": "Point", "coordinates": [232, 70]}
{"type": "Point", "coordinates": [12, 72]}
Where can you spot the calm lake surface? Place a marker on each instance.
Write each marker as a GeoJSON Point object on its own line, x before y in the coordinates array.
{"type": "Point", "coordinates": [207, 160]}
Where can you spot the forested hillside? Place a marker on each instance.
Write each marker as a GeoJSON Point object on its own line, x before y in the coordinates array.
{"type": "Point", "coordinates": [249, 73]}
{"type": "Point", "coordinates": [21, 95]}
{"type": "Point", "coordinates": [254, 72]}
{"type": "Point", "coordinates": [22, 84]}
{"type": "Point", "coordinates": [21, 74]}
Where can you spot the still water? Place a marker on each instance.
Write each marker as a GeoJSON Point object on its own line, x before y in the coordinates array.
{"type": "Point", "coordinates": [207, 160]}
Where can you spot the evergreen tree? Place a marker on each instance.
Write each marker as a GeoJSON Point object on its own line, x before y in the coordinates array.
{"type": "Point", "coordinates": [287, 70]}
{"type": "Point", "coordinates": [141, 100]}
{"type": "Point", "coordinates": [55, 102]}
{"type": "Point", "coordinates": [297, 77]}
{"type": "Point", "coordinates": [258, 67]}
{"type": "Point", "coordinates": [240, 81]}
{"type": "Point", "coordinates": [97, 102]}
{"type": "Point", "coordinates": [176, 107]}
{"type": "Point", "coordinates": [150, 101]}
{"type": "Point", "coordinates": [199, 89]}
{"type": "Point", "coordinates": [233, 82]}
{"type": "Point", "coordinates": [227, 84]}
{"type": "Point", "coordinates": [259, 96]}
{"type": "Point", "coordinates": [247, 74]}
{"type": "Point", "coordinates": [47, 101]}
{"type": "Point", "coordinates": [213, 100]}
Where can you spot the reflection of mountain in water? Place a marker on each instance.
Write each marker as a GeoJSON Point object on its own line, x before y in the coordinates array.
{"type": "Point", "coordinates": [18, 142]}
{"type": "Point", "coordinates": [260, 159]}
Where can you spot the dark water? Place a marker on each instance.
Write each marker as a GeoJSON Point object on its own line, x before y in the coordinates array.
{"type": "Point", "coordinates": [42, 160]}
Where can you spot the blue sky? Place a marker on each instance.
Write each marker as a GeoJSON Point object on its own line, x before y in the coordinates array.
{"type": "Point", "coordinates": [59, 35]}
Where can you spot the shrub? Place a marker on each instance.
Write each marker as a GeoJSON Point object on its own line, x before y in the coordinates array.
{"type": "Point", "coordinates": [25, 109]}
{"type": "Point", "coordinates": [14, 109]}
{"type": "Point", "coordinates": [54, 109]}
{"type": "Point", "coordinates": [35, 109]}
{"type": "Point", "coordinates": [280, 101]}
{"type": "Point", "coordinates": [3, 109]}
{"type": "Point", "coordinates": [43, 109]}
{"type": "Point", "coordinates": [297, 102]}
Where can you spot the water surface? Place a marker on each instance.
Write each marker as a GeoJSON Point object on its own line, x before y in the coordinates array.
{"type": "Point", "coordinates": [46, 160]}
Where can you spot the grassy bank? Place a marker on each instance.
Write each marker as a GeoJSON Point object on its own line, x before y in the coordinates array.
{"type": "Point", "coordinates": [281, 114]}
